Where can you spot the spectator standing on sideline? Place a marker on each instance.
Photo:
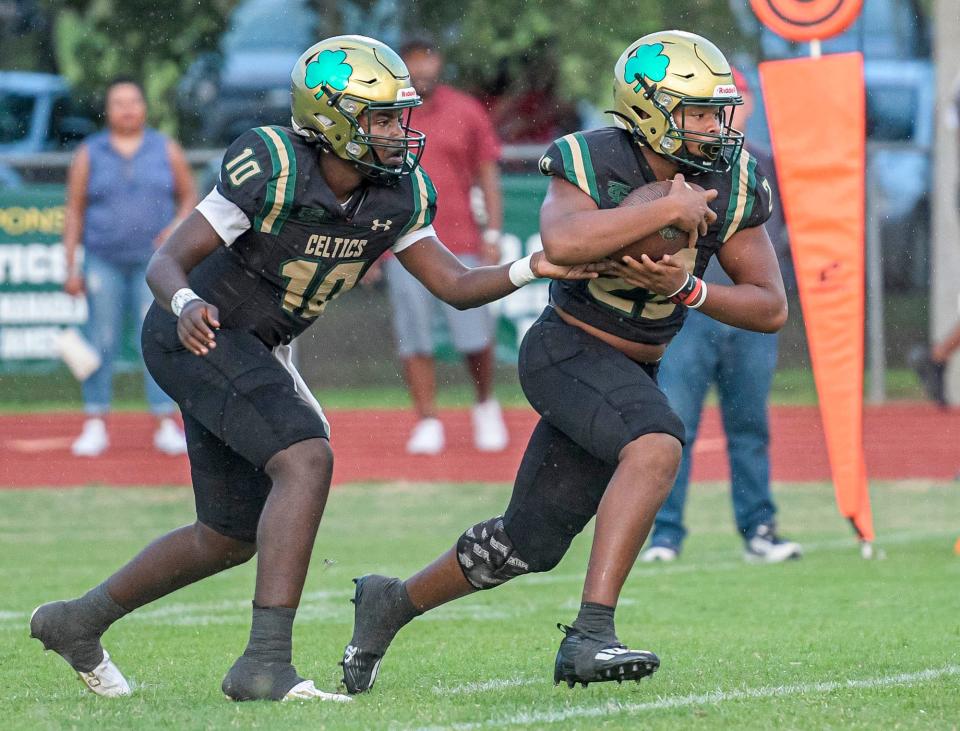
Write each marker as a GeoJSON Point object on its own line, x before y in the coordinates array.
{"type": "Point", "coordinates": [741, 363]}
{"type": "Point", "coordinates": [127, 188]}
{"type": "Point", "coordinates": [463, 152]}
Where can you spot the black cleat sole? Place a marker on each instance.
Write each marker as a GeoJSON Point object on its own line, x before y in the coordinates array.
{"type": "Point", "coordinates": [584, 659]}
{"type": "Point", "coordinates": [636, 671]}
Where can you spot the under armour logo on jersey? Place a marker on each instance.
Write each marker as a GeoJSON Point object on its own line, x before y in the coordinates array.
{"type": "Point", "coordinates": [377, 226]}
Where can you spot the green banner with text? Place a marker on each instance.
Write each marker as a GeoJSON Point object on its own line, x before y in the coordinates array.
{"type": "Point", "coordinates": [33, 306]}
{"type": "Point", "coordinates": [34, 309]}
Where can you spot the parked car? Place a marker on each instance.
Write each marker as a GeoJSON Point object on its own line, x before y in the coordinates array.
{"type": "Point", "coordinates": [246, 83]}
{"type": "Point", "coordinates": [900, 132]}
{"type": "Point", "coordinates": [893, 36]}
{"type": "Point", "coordinates": [37, 114]}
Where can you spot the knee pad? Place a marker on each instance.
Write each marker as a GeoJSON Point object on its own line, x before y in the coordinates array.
{"type": "Point", "coordinates": [545, 534]}
{"type": "Point", "coordinates": [487, 557]}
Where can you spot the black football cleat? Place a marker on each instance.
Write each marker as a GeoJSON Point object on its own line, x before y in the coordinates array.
{"type": "Point", "coordinates": [360, 669]}
{"type": "Point", "coordinates": [584, 659]}
{"type": "Point", "coordinates": [372, 599]}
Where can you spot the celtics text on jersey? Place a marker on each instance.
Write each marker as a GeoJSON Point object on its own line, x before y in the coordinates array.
{"type": "Point", "coordinates": [290, 245]}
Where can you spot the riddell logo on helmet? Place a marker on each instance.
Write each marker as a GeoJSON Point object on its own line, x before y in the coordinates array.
{"type": "Point", "coordinates": [407, 93]}
{"type": "Point", "coordinates": [725, 90]}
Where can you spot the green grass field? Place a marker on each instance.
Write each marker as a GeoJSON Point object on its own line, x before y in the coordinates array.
{"type": "Point", "coordinates": [831, 641]}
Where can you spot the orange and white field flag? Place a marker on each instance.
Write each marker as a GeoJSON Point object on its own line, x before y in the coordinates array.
{"type": "Point", "coordinates": [816, 111]}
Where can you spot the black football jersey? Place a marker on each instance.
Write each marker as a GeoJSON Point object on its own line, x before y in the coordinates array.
{"type": "Point", "coordinates": [607, 164]}
{"type": "Point", "coordinates": [300, 248]}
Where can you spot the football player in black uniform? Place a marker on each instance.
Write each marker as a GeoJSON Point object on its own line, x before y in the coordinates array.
{"type": "Point", "coordinates": [298, 216]}
{"type": "Point", "coordinates": [608, 443]}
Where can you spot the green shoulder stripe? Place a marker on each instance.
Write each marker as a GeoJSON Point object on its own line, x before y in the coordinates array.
{"type": "Point", "coordinates": [431, 200]}
{"type": "Point", "coordinates": [742, 184]}
{"type": "Point", "coordinates": [421, 201]}
{"type": "Point", "coordinates": [278, 200]}
{"type": "Point", "coordinates": [751, 189]}
{"type": "Point", "coordinates": [578, 165]}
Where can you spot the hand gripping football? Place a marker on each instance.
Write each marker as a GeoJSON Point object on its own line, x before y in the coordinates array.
{"type": "Point", "coordinates": [669, 239]}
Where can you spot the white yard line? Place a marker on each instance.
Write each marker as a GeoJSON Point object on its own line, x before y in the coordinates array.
{"type": "Point", "coordinates": [885, 539]}
{"type": "Point", "coordinates": [486, 685]}
{"type": "Point", "coordinates": [614, 708]}
{"type": "Point", "coordinates": [331, 605]}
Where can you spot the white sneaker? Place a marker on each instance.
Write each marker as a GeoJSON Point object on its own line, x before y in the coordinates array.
{"type": "Point", "coordinates": [93, 440]}
{"type": "Point", "coordinates": [426, 437]}
{"type": "Point", "coordinates": [306, 691]}
{"type": "Point", "coordinates": [659, 553]}
{"type": "Point", "coordinates": [489, 431]}
{"type": "Point", "coordinates": [169, 438]}
{"type": "Point", "coordinates": [106, 679]}
{"type": "Point", "coordinates": [767, 547]}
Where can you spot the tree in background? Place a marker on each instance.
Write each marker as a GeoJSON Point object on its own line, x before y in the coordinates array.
{"type": "Point", "coordinates": [494, 46]}
{"type": "Point", "coordinates": [583, 38]}
{"type": "Point", "coordinates": [25, 43]}
{"type": "Point", "coordinates": [97, 40]}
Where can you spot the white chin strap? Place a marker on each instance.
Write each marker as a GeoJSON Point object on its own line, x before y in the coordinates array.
{"type": "Point", "coordinates": [297, 128]}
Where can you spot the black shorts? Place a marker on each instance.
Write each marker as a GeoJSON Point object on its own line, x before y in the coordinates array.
{"type": "Point", "coordinates": [591, 391]}
{"type": "Point", "coordinates": [593, 401]}
{"type": "Point", "coordinates": [240, 407]}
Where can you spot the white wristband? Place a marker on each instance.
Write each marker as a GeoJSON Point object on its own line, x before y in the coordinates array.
{"type": "Point", "coordinates": [180, 299]}
{"type": "Point", "coordinates": [682, 287]}
{"type": "Point", "coordinates": [521, 273]}
{"type": "Point", "coordinates": [702, 298]}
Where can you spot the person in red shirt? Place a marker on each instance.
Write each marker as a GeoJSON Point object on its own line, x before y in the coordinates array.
{"type": "Point", "coordinates": [462, 152]}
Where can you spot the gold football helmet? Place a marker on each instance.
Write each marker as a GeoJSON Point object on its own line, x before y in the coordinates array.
{"type": "Point", "coordinates": [669, 71]}
{"type": "Point", "coordinates": [337, 84]}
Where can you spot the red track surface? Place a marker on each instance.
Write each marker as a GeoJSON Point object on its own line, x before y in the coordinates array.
{"type": "Point", "coordinates": [902, 441]}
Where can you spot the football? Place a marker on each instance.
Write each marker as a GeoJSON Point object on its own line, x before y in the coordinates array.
{"type": "Point", "coordinates": [669, 239]}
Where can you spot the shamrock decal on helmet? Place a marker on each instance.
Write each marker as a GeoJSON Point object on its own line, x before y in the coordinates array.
{"type": "Point", "coordinates": [328, 69]}
{"type": "Point", "coordinates": [647, 61]}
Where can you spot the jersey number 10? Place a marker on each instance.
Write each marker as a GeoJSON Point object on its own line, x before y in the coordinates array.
{"type": "Point", "coordinates": [309, 289]}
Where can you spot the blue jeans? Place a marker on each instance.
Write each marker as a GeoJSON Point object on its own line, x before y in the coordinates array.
{"type": "Point", "coordinates": [741, 363]}
{"type": "Point", "coordinates": [112, 291]}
